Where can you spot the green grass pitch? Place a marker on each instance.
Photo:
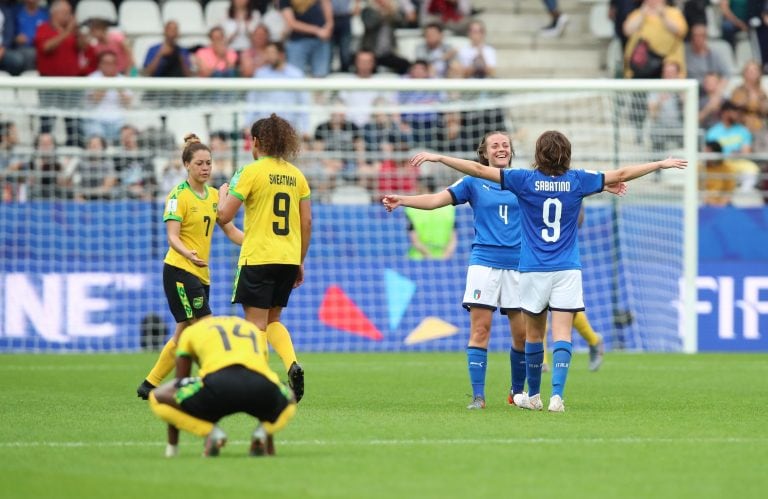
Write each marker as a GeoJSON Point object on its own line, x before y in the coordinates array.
{"type": "Point", "coordinates": [395, 426]}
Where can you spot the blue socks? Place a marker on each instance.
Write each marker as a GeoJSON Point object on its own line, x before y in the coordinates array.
{"type": "Point", "coordinates": [534, 357]}
{"type": "Point", "coordinates": [517, 364]}
{"type": "Point", "coordinates": [561, 360]}
{"type": "Point", "coordinates": [477, 362]}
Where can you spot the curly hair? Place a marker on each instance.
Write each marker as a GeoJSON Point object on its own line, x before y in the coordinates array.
{"type": "Point", "coordinates": [553, 153]}
{"type": "Point", "coordinates": [482, 148]}
{"type": "Point", "coordinates": [192, 144]}
{"type": "Point", "coordinates": [276, 137]}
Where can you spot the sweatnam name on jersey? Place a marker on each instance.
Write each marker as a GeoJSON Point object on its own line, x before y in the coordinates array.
{"type": "Point", "coordinates": [288, 180]}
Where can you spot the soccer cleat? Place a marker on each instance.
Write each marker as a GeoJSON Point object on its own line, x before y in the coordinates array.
{"type": "Point", "coordinates": [478, 402]}
{"type": "Point", "coordinates": [511, 397]}
{"type": "Point", "coordinates": [215, 440]}
{"type": "Point", "coordinates": [296, 380]}
{"type": "Point", "coordinates": [596, 354]}
{"type": "Point", "coordinates": [556, 404]}
{"type": "Point", "coordinates": [143, 390]}
{"type": "Point", "coordinates": [262, 443]}
{"type": "Point", "coordinates": [555, 28]}
{"type": "Point", "coordinates": [171, 450]}
{"type": "Point", "coordinates": [523, 401]}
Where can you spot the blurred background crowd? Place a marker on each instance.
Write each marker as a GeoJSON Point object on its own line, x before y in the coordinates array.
{"type": "Point", "coordinates": [363, 144]}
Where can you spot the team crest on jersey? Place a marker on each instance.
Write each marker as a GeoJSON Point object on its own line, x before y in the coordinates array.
{"type": "Point", "coordinates": [476, 294]}
{"type": "Point", "coordinates": [197, 302]}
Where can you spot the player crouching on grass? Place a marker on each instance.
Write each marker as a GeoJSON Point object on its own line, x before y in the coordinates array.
{"type": "Point", "coordinates": [233, 377]}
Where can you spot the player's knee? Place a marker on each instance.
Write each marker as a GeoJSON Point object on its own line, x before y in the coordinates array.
{"type": "Point", "coordinates": [282, 420]}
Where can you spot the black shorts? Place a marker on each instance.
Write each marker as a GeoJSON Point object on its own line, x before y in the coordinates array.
{"type": "Point", "coordinates": [231, 390]}
{"type": "Point", "coordinates": [264, 286]}
{"type": "Point", "coordinates": [187, 295]}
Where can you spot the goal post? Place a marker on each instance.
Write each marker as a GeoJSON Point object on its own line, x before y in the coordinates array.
{"type": "Point", "coordinates": [81, 262]}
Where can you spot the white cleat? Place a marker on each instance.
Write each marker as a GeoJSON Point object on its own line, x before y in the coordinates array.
{"type": "Point", "coordinates": [523, 401]}
{"type": "Point", "coordinates": [556, 404]}
{"type": "Point", "coordinates": [171, 450]}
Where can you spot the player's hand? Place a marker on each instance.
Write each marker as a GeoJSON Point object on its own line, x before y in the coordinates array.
{"type": "Point", "coordinates": [223, 191]}
{"type": "Point", "coordinates": [196, 260]}
{"type": "Point", "coordinates": [422, 157]}
{"type": "Point", "coordinates": [391, 201]}
{"type": "Point", "coordinates": [674, 163]}
{"type": "Point", "coordinates": [619, 188]}
{"type": "Point", "coordinates": [299, 277]}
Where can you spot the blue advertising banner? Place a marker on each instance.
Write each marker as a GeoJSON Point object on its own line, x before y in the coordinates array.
{"type": "Point", "coordinates": [84, 277]}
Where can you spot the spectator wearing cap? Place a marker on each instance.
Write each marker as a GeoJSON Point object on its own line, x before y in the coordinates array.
{"type": "Point", "coordinates": [730, 132]}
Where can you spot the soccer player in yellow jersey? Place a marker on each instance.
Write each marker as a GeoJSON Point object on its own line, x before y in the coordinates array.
{"type": "Point", "coordinates": [190, 214]}
{"type": "Point", "coordinates": [278, 227]}
{"type": "Point", "coordinates": [233, 377]}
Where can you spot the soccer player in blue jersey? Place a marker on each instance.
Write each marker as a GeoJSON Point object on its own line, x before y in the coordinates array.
{"type": "Point", "coordinates": [550, 199]}
{"type": "Point", "coordinates": [492, 277]}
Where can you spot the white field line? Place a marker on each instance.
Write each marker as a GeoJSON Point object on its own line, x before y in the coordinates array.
{"type": "Point", "coordinates": [419, 442]}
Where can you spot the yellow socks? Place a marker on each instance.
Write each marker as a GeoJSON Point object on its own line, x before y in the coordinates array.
{"type": "Point", "coordinates": [180, 419]}
{"type": "Point", "coordinates": [280, 339]}
{"type": "Point", "coordinates": [582, 325]}
{"type": "Point", "coordinates": [164, 365]}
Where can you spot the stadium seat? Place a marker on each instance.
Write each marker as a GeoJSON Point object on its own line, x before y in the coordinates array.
{"type": "Point", "coordinates": [599, 24]}
{"type": "Point", "coordinates": [180, 123]}
{"type": "Point", "coordinates": [215, 12]}
{"type": "Point", "coordinates": [457, 42]}
{"type": "Point", "coordinates": [189, 15]}
{"type": "Point", "coordinates": [193, 41]}
{"type": "Point", "coordinates": [90, 9]}
{"type": "Point", "coordinates": [406, 46]}
{"type": "Point", "coordinates": [724, 50]}
{"type": "Point", "coordinates": [356, 26]}
{"type": "Point", "coordinates": [743, 53]}
{"type": "Point", "coordinates": [714, 22]}
{"type": "Point", "coordinates": [140, 17]}
{"type": "Point", "coordinates": [141, 45]}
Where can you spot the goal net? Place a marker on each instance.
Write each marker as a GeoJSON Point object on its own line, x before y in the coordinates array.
{"type": "Point", "coordinates": [86, 164]}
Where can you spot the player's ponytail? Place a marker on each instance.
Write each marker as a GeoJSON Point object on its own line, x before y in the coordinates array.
{"type": "Point", "coordinates": [192, 144]}
{"type": "Point", "coordinates": [276, 137]}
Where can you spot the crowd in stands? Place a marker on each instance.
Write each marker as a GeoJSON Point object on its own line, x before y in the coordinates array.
{"type": "Point", "coordinates": [363, 141]}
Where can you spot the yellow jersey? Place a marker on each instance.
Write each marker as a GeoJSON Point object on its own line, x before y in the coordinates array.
{"type": "Point", "coordinates": [218, 342]}
{"type": "Point", "coordinates": [271, 190]}
{"type": "Point", "coordinates": [197, 216]}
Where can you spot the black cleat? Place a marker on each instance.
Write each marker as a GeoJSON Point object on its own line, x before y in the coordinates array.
{"type": "Point", "coordinates": [143, 390]}
{"type": "Point", "coordinates": [296, 380]}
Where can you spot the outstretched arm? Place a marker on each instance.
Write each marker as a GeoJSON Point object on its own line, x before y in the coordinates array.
{"type": "Point", "coordinates": [462, 165]}
{"type": "Point", "coordinates": [627, 173]}
{"type": "Point", "coordinates": [420, 201]}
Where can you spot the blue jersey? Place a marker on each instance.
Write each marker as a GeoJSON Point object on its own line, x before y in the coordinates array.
{"type": "Point", "coordinates": [497, 222]}
{"type": "Point", "coordinates": [550, 212]}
